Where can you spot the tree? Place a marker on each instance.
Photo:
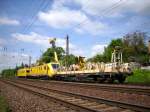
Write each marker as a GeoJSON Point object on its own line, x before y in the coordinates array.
{"type": "Point", "coordinates": [133, 47]}
{"type": "Point", "coordinates": [69, 60]}
{"type": "Point", "coordinates": [9, 73]}
{"type": "Point", "coordinates": [108, 51]}
{"type": "Point", "coordinates": [48, 56]}
{"type": "Point", "coordinates": [96, 58]}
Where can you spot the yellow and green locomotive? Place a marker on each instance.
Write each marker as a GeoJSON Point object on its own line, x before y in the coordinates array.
{"type": "Point", "coordinates": [45, 70]}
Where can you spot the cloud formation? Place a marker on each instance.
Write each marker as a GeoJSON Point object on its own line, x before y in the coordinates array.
{"type": "Point", "coordinates": [62, 17]}
{"type": "Point", "coordinates": [7, 21]}
{"type": "Point", "coordinates": [42, 40]}
{"type": "Point", "coordinates": [2, 41]}
{"type": "Point", "coordinates": [114, 7]}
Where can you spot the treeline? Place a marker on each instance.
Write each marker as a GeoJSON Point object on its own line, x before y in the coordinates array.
{"type": "Point", "coordinates": [11, 72]}
{"type": "Point", "coordinates": [134, 47]}
{"type": "Point", "coordinates": [8, 73]}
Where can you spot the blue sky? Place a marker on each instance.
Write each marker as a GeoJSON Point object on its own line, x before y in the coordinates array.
{"type": "Point", "coordinates": [26, 25]}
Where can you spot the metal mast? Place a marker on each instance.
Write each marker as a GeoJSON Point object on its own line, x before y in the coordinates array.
{"type": "Point", "coordinates": [67, 45]}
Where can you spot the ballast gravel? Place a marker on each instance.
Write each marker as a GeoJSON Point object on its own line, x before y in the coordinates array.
{"type": "Point", "coordinates": [22, 101]}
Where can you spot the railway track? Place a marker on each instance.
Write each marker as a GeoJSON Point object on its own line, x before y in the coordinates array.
{"type": "Point", "coordinates": [78, 102]}
{"type": "Point", "coordinates": [131, 89]}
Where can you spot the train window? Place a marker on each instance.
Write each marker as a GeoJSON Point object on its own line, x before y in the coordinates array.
{"type": "Point", "coordinates": [28, 71]}
{"type": "Point", "coordinates": [44, 67]}
{"type": "Point", "coordinates": [55, 66]}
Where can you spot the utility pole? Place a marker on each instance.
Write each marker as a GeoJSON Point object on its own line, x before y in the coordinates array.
{"type": "Point", "coordinates": [149, 49]}
{"type": "Point", "coordinates": [67, 50]}
{"type": "Point", "coordinates": [30, 58]}
{"type": "Point", "coordinates": [67, 45]}
{"type": "Point", "coordinates": [149, 46]}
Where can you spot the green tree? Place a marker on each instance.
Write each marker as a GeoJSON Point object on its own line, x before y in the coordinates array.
{"type": "Point", "coordinates": [8, 73]}
{"type": "Point", "coordinates": [133, 47]}
{"type": "Point", "coordinates": [69, 60]}
{"type": "Point", "coordinates": [108, 51]}
{"type": "Point", "coordinates": [96, 58]}
{"type": "Point", "coordinates": [48, 56]}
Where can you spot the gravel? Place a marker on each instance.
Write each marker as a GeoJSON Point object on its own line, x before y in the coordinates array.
{"type": "Point", "coordinates": [23, 101]}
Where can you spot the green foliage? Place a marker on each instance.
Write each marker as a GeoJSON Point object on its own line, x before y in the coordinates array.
{"type": "Point", "coordinates": [3, 105]}
{"type": "Point", "coordinates": [132, 45]}
{"type": "Point", "coordinates": [109, 49]}
{"type": "Point", "coordinates": [48, 56]}
{"type": "Point", "coordinates": [135, 48]}
{"type": "Point", "coordinates": [97, 58]}
{"type": "Point", "coordinates": [69, 60]}
{"type": "Point", "coordinates": [8, 73]}
{"type": "Point", "coordinates": [106, 56]}
{"type": "Point", "coordinates": [139, 76]}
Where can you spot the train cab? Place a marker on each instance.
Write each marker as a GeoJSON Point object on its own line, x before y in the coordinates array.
{"type": "Point", "coordinates": [23, 72]}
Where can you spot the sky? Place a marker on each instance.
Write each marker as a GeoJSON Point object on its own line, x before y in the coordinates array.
{"type": "Point", "coordinates": [26, 26]}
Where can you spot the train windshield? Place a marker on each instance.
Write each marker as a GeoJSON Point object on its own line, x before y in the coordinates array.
{"type": "Point", "coordinates": [55, 66]}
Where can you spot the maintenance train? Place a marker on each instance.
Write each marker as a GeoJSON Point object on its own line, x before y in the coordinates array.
{"type": "Point", "coordinates": [82, 71]}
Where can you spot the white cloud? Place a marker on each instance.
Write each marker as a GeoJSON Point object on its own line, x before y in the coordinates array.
{"type": "Point", "coordinates": [43, 41]}
{"type": "Point", "coordinates": [7, 21]}
{"type": "Point", "coordinates": [114, 7]}
{"type": "Point", "coordinates": [99, 48]}
{"type": "Point", "coordinates": [40, 39]}
{"type": "Point", "coordinates": [97, 7]}
{"type": "Point", "coordinates": [61, 17]}
{"type": "Point", "coordinates": [2, 41]}
{"type": "Point", "coordinates": [32, 38]}
{"type": "Point", "coordinates": [109, 8]}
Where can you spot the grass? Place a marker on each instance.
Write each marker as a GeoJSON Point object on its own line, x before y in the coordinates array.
{"type": "Point", "coordinates": [3, 105]}
{"type": "Point", "coordinates": [139, 76]}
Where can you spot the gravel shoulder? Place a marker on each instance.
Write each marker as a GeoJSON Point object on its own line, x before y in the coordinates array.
{"type": "Point", "coordinates": [23, 101]}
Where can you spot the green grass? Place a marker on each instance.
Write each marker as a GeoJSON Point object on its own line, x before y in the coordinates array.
{"type": "Point", "coordinates": [139, 76]}
{"type": "Point", "coordinates": [3, 105]}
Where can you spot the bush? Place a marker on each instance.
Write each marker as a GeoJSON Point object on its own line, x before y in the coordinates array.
{"type": "Point", "coordinates": [9, 73]}
{"type": "Point", "coordinates": [139, 76]}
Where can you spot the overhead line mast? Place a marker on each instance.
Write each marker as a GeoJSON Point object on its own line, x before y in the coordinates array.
{"type": "Point", "coordinates": [67, 45]}
{"type": "Point", "coordinates": [67, 51]}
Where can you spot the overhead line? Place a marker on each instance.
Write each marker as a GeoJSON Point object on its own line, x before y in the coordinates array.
{"type": "Point", "coordinates": [104, 10]}
{"type": "Point", "coordinates": [42, 6]}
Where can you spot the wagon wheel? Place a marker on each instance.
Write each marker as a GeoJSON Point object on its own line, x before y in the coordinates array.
{"type": "Point", "coordinates": [121, 79]}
